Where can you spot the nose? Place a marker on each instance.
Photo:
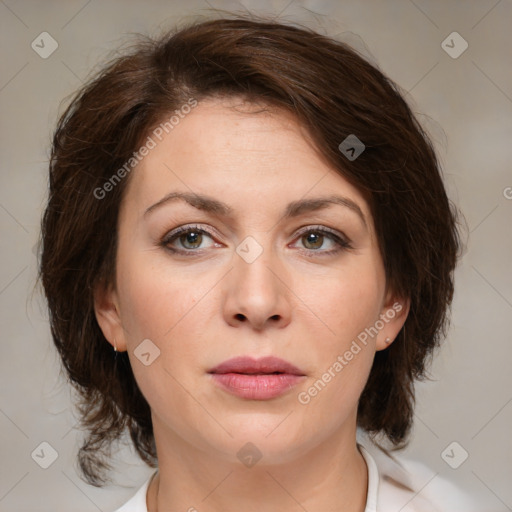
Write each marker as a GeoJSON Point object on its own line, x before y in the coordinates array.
{"type": "Point", "coordinates": [257, 293]}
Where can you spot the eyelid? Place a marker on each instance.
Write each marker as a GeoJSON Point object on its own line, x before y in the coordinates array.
{"type": "Point", "coordinates": [339, 238]}
{"type": "Point", "coordinates": [322, 229]}
{"type": "Point", "coordinates": [185, 229]}
{"type": "Point", "coordinates": [341, 241]}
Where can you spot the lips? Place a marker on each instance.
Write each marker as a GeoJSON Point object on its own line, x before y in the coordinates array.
{"type": "Point", "coordinates": [263, 366]}
{"type": "Point", "coordinates": [256, 379]}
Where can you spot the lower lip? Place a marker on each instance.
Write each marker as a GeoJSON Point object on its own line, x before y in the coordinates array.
{"type": "Point", "coordinates": [256, 387]}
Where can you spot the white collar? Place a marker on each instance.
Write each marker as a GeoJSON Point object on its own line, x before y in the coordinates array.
{"type": "Point", "coordinates": [373, 480]}
{"type": "Point", "coordinates": [392, 485]}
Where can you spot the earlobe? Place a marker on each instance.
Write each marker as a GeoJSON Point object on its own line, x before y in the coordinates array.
{"type": "Point", "coordinates": [393, 317]}
{"type": "Point", "coordinates": [108, 317]}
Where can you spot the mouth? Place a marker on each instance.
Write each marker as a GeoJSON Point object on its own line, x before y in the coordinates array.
{"type": "Point", "coordinates": [256, 379]}
{"type": "Point", "coordinates": [264, 366]}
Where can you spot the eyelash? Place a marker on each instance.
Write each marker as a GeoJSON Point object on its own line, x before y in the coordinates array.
{"type": "Point", "coordinates": [341, 242]}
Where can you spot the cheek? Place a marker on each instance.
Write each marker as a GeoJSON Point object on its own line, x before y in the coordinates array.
{"type": "Point", "coordinates": [345, 302]}
{"type": "Point", "coordinates": [170, 307]}
{"type": "Point", "coordinates": [347, 305]}
{"type": "Point", "coordinates": [160, 306]}
{"type": "Point", "coordinates": [154, 299]}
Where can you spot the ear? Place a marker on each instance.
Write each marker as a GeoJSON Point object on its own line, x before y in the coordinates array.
{"type": "Point", "coordinates": [106, 309]}
{"type": "Point", "coordinates": [393, 316]}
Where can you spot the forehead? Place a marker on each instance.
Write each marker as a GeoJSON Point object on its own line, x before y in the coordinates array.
{"type": "Point", "coordinates": [244, 152]}
{"type": "Point", "coordinates": [228, 132]}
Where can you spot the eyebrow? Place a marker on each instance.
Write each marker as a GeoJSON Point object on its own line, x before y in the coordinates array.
{"type": "Point", "coordinates": [293, 209]}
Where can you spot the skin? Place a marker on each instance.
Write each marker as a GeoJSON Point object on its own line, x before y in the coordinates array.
{"type": "Point", "coordinates": [292, 302]}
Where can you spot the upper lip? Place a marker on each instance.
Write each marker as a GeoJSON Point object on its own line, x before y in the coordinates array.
{"type": "Point", "coordinates": [264, 365]}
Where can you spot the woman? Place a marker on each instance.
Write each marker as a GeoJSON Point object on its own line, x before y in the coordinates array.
{"type": "Point", "coordinates": [248, 257]}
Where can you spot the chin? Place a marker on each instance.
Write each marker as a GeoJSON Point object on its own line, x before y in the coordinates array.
{"type": "Point", "coordinates": [265, 439]}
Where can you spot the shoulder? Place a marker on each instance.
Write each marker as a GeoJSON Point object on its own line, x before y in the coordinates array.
{"type": "Point", "coordinates": [406, 485]}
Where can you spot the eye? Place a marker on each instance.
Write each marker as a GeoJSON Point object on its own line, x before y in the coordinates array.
{"type": "Point", "coordinates": [314, 237]}
{"type": "Point", "coordinates": [188, 240]}
{"type": "Point", "coordinates": [189, 237]}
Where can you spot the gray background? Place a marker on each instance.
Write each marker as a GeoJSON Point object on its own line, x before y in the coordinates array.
{"type": "Point", "coordinates": [466, 105]}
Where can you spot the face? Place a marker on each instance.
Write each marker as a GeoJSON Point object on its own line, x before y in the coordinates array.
{"type": "Point", "coordinates": [247, 263]}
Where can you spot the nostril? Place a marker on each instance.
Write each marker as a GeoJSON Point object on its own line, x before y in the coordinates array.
{"type": "Point", "coordinates": [240, 317]}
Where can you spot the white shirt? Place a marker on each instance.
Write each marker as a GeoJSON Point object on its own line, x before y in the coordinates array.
{"type": "Point", "coordinates": [388, 483]}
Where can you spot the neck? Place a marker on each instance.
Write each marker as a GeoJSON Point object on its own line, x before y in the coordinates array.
{"type": "Point", "coordinates": [331, 476]}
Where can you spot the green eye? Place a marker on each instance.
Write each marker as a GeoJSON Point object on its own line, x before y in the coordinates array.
{"type": "Point", "coordinates": [313, 239]}
{"type": "Point", "coordinates": [190, 239]}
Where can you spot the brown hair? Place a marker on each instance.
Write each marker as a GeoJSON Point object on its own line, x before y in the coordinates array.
{"type": "Point", "coordinates": [333, 92]}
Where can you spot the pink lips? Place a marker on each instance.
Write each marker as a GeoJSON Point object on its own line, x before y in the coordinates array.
{"type": "Point", "coordinates": [256, 379]}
